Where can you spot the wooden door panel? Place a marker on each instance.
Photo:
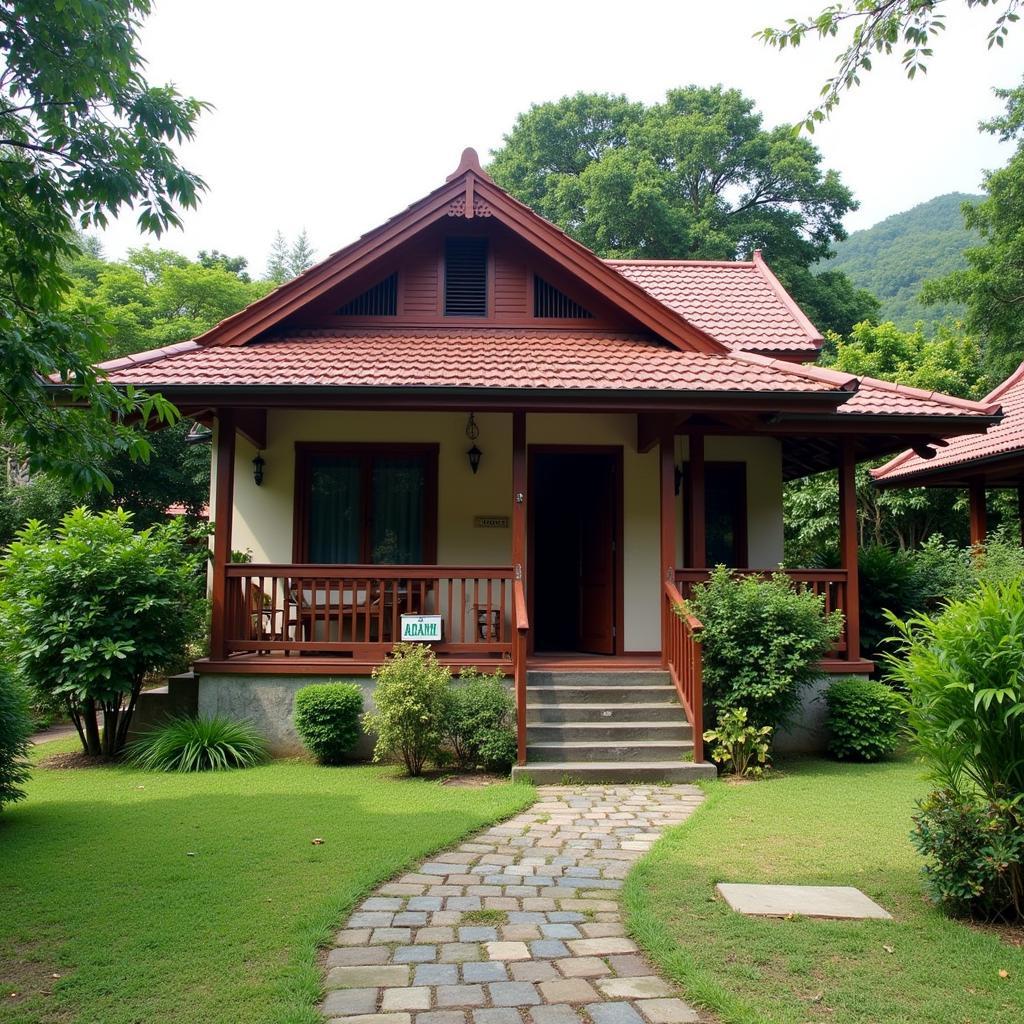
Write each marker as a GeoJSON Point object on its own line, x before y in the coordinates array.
{"type": "Point", "coordinates": [597, 562]}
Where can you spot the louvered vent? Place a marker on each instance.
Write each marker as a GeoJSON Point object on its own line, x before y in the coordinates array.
{"type": "Point", "coordinates": [380, 300]}
{"type": "Point", "coordinates": [551, 303]}
{"type": "Point", "coordinates": [465, 277]}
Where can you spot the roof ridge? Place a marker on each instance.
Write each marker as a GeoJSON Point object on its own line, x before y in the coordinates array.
{"type": "Point", "coordinates": [821, 374]}
{"type": "Point", "coordinates": [983, 408]}
{"type": "Point", "coordinates": [787, 300]}
{"type": "Point", "coordinates": [1000, 389]}
{"type": "Point", "coordinates": [741, 264]}
{"type": "Point", "coordinates": [148, 356]}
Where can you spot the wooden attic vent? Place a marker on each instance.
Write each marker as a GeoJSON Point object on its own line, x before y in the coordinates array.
{"type": "Point", "coordinates": [465, 277]}
{"type": "Point", "coordinates": [380, 300]}
{"type": "Point", "coordinates": [551, 303]}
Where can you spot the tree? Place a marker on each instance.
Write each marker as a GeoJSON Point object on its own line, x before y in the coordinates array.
{"type": "Point", "coordinates": [878, 26]}
{"type": "Point", "coordinates": [302, 255]}
{"type": "Point", "coordinates": [277, 262]}
{"type": "Point", "coordinates": [15, 729]}
{"type": "Point", "coordinates": [697, 176]}
{"type": "Point", "coordinates": [288, 261]}
{"type": "Point", "coordinates": [232, 264]}
{"type": "Point", "coordinates": [992, 285]}
{"type": "Point", "coordinates": [83, 137]}
{"type": "Point", "coordinates": [90, 608]}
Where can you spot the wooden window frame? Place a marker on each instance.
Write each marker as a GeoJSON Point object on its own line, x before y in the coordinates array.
{"type": "Point", "coordinates": [741, 510]}
{"type": "Point", "coordinates": [365, 452]}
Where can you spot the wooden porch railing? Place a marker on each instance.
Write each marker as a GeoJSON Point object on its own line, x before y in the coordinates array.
{"type": "Point", "coordinates": [521, 622]}
{"type": "Point", "coordinates": [829, 584]}
{"type": "Point", "coordinates": [682, 658]}
{"type": "Point", "coordinates": [355, 611]}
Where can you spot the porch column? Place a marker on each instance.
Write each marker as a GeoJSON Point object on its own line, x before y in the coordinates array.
{"type": "Point", "coordinates": [848, 545]}
{"type": "Point", "coordinates": [667, 454]}
{"type": "Point", "coordinates": [224, 511]}
{"type": "Point", "coordinates": [519, 639]}
{"type": "Point", "coordinates": [979, 512]}
{"type": "Point", "coordinates": [697, 538]}
{"type": "Point", "coordinates": [519, 491]}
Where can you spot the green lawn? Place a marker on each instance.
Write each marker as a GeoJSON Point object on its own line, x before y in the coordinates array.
{"type": "Point", "coordinates": [200, 899]}
{"type": "Point", "coordinates": [826, 824]}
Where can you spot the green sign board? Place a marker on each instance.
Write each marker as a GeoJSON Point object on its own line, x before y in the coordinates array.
{"type": "Point", "coordinates": [424, 628]}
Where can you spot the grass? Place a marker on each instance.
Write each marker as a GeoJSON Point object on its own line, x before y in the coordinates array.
{"type": "Point", "coordinates": [201, 899]}
{"type": "Point", "coordinates": [824, 824]}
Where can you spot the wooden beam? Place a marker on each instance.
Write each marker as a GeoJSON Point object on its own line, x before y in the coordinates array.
{"type": "Point", "coordinates": [848, 545]}
{"type": "Point", "coordinates": [252, 425]}
{"type": "Point", "coordinates": [519, 492]}
{"type": "Point", "coordinates": [698, 520]}
{"type": "Point", "coordinates": [223, 512]}
{"type": "Point", "coordinates": [651, 427]}
{"type": "Point", "coordinates": [979, 511]}
{"type": "Point", "coordinates": [667, 477]}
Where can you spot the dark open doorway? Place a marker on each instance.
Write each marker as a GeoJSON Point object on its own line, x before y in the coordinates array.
{"type": "Point", "coordinates": [575, 506]}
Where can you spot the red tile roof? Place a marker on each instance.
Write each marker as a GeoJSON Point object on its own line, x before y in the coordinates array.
{"type": "Point", "coordinates": [740, 304]}
{"type": "Point", "coordinates": [1005, 438]}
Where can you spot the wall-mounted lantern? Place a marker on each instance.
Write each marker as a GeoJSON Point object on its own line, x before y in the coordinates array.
{"type": "Point", "coordinates": [474, 454]}
{"type": "Point", "coordinates": [257, 468]}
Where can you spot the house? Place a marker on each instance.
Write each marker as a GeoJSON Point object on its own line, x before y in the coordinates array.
{"type": "Point", "coordinates": [467, 428]}
{"type": "Point", "coordinates": [976, 462]}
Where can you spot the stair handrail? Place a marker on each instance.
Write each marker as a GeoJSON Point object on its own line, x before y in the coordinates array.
{"type": "Point", "coordinates": [522, 629]}
{"type": "Point", "coordinates": [684, 661]}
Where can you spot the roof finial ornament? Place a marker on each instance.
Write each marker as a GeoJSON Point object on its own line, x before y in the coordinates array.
{"type": "Point", "coordinates": [469, 162]}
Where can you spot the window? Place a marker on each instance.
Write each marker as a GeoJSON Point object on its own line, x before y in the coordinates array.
{"type": "Point", "coordinates": [366, 504]}
{"type": "Point", "coordinates": [380, 300]}
{"type": "Point", "coordinates": [552, 302]}
{"type": "Point", "coordinates": [725, 513]}
{"type": "Point", "coordinates": [465, 277]}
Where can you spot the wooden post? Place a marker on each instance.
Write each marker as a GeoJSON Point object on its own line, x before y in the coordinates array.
{"type": "Point", "coordinates": [519, 569]}
{"type": "Point", "coordinates": [225, 503]}
{"type": "Point", "coordinates": [848, 545]}
{"type": "Point", "coordinates": [1020, 510]}
{"type": "Point", "coordinates": [697, 525]}
{"type": "Point", "coordinates": [667, 455]}
{"type": "Point", "coordinates": [519, 490]}
{"type": "Point", "coordinates": [979, 512]}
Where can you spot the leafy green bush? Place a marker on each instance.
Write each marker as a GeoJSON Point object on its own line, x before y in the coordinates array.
{"type": "Point", "coordinates": [963, 671]}
{"type": "Point", "coordinates": [478, 711]}
{"type": "Point", "coordinates": [411, 696]}
{"type": "Point", "coordinates": [739, 747]}
{"type": "Point", "coordinates": [762, 641]}
{"type": "Point", "coordinates": [89, 609]}
{"type": "Point", "coordinates": [199, 744]}
{"type": "Point", "coordinates": [975, 852]}
{"type": "Point", "coordinates": [890, 580]}
{"type": "Point", "coordinates": [498, 749]}
{"type": "Point", "coordinates": [15, 729]}
{"type": "Point", "coordinates": [865, 719]}
{"type": "Point", "coordinates": [326, 717]}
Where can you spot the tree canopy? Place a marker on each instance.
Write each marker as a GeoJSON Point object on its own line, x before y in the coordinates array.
{"type": "Point", "coordinates": [83, 137]}
{"type": "Point", "coordinates": [697, 176]}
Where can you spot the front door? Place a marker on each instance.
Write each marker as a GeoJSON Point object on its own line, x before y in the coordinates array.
{"type": "Point", "coordinates": [574, 504]}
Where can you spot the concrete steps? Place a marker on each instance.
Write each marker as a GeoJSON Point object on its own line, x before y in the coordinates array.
{"type": "Point", "coordinates": [607, 726]}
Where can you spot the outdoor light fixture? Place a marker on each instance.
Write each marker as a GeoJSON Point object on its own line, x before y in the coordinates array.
{"type": "Point", "coordinates": [257, 468]}
{"type": "Point", "coordinates": [474, 453]}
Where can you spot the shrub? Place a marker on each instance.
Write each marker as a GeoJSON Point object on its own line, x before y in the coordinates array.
{"type": "Point", "coordinates": [762, 641]}
{"type": "Point", "coordinates": [865, 719]}
{"type": "Point", "coordinates": [411, 696]}
{"type": "Point", "coordinates": [15, 729]}
{"type": "Point", "coordinates": [890, 581]}
{"type": "Point", "coordinates": [498, 749]}
{"type": "Point", "coordinates": [199, 744]}
{"type": "Point", "coordinates": [90, 608]}
{"type": "Point", "coordinates": [976, 854]}
{"type": "Point", "coordinates": [739, 747]}
{"type": "Point", "coordinates": [478, 712]}
{"type": "Point", "coordinates": [326, 716]}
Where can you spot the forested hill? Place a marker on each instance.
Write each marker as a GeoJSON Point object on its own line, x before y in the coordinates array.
{"type": "Point", "coordinates": [893, 258]}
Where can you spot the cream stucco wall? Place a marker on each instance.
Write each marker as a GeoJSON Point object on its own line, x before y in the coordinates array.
{"type": "Point", "coordinates": [263, 515]}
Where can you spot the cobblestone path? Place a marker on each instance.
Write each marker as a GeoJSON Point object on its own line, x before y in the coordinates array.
{"type": "Point", "coordinates": [521, 925]}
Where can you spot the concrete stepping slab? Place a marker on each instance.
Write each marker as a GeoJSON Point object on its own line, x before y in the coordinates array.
{"type": "Point", "coordinates": [842, 902]}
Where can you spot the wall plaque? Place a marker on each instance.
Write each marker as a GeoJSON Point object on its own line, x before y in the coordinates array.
{"type": "Point", "coordinates": [491, 522]}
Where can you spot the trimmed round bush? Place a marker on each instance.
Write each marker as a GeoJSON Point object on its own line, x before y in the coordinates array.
{"type": "Point", "coordinates": [326, 717]}
{"type": "Point", "coordinates": [865, 719]}
{"type": "Point", "coordinates": [199, 744]}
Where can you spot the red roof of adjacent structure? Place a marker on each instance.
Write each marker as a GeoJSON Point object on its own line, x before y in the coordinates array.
{"type": "Point", "coordinates": [740, 303]}
{"type": "Point", "coordinates": [1003, 439]}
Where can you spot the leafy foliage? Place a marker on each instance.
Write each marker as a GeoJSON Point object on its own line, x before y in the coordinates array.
{"type": "Point", "coordinates": [865, 720]}
{"type": "Point", "coordinates": [411, 696]}
{"type": "Point", "coordinates": [762, 640]}
{"type": "Point", "coordinates": [975, 852]}
{"type": "Point", "coordinates": [478, 721]}
{"type": "Point", "coordinates": [740, 748]}
{"type": "Point", "coordinates": [697, 176]}
{"type": "Point", "coordinates": [198, 744]}
{"type": "Point", "coordinates": [90, 608]}
{"type": "Point", "coordinates": [83, 137]}
{"type": "Point", "coordinates": [15, 729]}
{"type": "Point", "coordinates": [326, 717]}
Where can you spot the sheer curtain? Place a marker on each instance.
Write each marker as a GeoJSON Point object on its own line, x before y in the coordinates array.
{"type": "Point", "coordinates": [335, 510]}
{"type": "Point", "coordinates": [396, 530]}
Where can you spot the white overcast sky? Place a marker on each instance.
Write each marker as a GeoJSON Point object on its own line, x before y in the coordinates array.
{"type": "Point", "coordinates": [331, 116]}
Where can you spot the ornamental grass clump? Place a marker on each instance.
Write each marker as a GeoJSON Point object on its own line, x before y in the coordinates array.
{"type": "Point", "coordinates": [199, 744]}
{"type": "Point", "coordinates": [326, 717]}
{"type": "Point", "coordinates": [963, 673]}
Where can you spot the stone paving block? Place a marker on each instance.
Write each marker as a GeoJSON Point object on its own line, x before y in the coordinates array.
{"type": "Point", "coordinates": [391, 935]}
{"type": "Point", "coordinates": [484, 970]}
{"type": "Point", "coordinates": [568, 990]}
{"type": "Point", "coordinates": [367, 977]}
{"type": "Point", "coordinates": [432, 934]}
{"type": "Point", "coordinates": [601, 947]}
{"type": "Point", "coordinates": [541, 904]}
{"type": "Point", "coordinates": [642, 987]}
{"type": "Point", "coordinates": [371, 919]}
{"type": "Point", "coordinates": [500, 903]}
{"type": "Point", "coordinates": [842, 902]}
{"type": "Point", "coordinates": [436, 974]}
{"type": "Point", "coordinates": [520, 932]}
{"type": "Point", "coordinates": [599, 930]}
{"type": "Point", "coordinates": [613, 1013]}
{"type": "Point", "coordinates": [667, 1011]}
{"type": "Point", "coordinates": [548, 948]}
{"type": "Point", "coordinates": [462, 903]}
{"type": "Point", "coordinates": [446, 917]}
{"type": "Point", "coordinates": [406, 918]}
{"type": "Point", "coordinates": [560, 931]}
{"type": "Point", "coordinates": [459, 952]}
{"type": "Point", "coordinates": [376, 1018]}
{"type": "Point", "coordinates": [416, 997]}
{"type": "Point", "coordinates": [565, 917]}
{"type": "Point", "coordinates": [382, 903]}
{"type": "Point", "coordinates": [583, 967]}
{"type": "Point", "coordinates": [459, 995]}
{"type": "Point", "coordinates": [526, 917]}
{"type": "Point", "coordinates": [358, 956]}
{"type": "Point", "coordinates": [346, 1001]}
{"type": "Point", "coordinates": [507, 951]}
{"type": "Point", "coordinates": [497, 1015]}
{"type": "Point", "coordinates": [425, 903]}
{"type": "Point", "coordinates": [400, 889]}
{"type": "Point", "coordinates": [513, 993]}
{"type": "Point", "coordinates": [629, 965]}
{"type": "Point", "coordinates": [557, 1013]}
{"type": "Point", "coordinates": [352, 937]}
{"type": "Point", "coordinates": [441, 1017]}
{"type": "Point", "coordinates": [475, 933]}
{"type": "Point", "coordinates": [415, 954]}
{"type": "Point", "coordinates": [532, 970]}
